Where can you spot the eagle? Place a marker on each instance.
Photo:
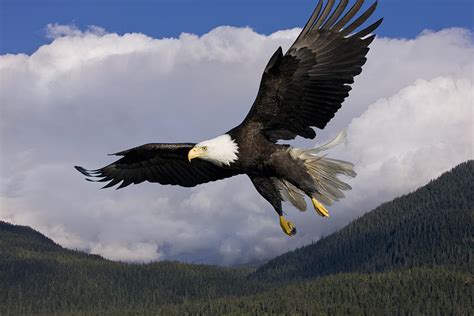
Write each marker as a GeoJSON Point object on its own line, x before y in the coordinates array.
{"type": "Point", "coordinates": [299, 90]}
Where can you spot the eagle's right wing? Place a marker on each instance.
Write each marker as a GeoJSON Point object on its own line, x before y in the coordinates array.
{"type": "Point", "coordinates": [162, 163]}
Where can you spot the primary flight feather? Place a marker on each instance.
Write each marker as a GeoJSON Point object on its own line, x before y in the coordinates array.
{"type": "Point", "coordinates": [299, 90]}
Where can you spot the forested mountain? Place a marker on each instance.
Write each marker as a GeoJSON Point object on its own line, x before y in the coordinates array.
{"type": "Point", "coordinates": [37, 275]}
{"type": "Point", "coordinates": [432, 226]}
{"type": "Point", "coordinates": [409, 256]}
{"type": "Point", "coordinates": [419, 291]}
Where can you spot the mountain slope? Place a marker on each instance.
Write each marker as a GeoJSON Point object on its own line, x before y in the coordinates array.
{"type": "Point", "coordinates": [38, 276]}
{"type": "Point", "coordinates": [419, 291]}
{"type": "Point", "coordinates": [430, 227]}
{"type": "Point", "coordinates": [24, 243]}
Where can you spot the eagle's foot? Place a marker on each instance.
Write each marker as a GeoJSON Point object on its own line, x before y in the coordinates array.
{"type": "Point", "coordinates": [319, 208]}
{"type": "Point", "coordinates": [287, 226]}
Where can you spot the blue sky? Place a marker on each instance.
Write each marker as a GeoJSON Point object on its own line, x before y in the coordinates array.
{"type": "Point", "coordinates": [23, 22]}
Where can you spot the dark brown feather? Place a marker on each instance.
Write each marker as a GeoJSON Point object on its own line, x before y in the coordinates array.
{"type": "Point", "coordinates": [162, 163]}
{"type": "Point", "coordinates": [305, 87]}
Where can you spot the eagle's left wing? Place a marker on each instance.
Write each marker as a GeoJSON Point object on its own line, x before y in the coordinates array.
{"type": "Point", "coordinates": [162, 163]}
{"type": "Point", "coordinates": [306, 86]}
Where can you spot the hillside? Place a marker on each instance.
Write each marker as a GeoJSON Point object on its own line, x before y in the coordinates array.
{"type": "Point", "coordinates": [37, 275]}
{"type": "Point", "coordinates": [24, 243]}
{"type": "Point", "coordinates": [410, 256]}
{"type": "Point", "coordinates": [432, 226]}
{"type": "Point", "coordinates": [420, 291]}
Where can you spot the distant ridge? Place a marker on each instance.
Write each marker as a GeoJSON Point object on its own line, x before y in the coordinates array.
{"type": "Point", "coordinates": [17, 242]}
{"type": "Point", "coordinates": [432, 226]}
{"type": "Point", "coordinates": [25, 232]}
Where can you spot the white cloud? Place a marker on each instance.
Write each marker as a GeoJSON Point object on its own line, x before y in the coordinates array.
{"type": "Point", "coordinates": [55, 30]}
{"type": "Point", "coordinates": [137, 252]}
{"type": "Point", "coordinates": [89, 93]}
{"type": "Point", "coordinates": [403, 141]}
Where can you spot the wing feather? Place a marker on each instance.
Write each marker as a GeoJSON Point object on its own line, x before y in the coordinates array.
{"type": "Point", "coordinates": [335, 15]}
{"type": "Point", "coordinates": [311, 20]}
{"type": "Point", "coordinates": [324, 15]}
{"type": "Point", "coordinates": [162, 163]}
{"type": "Point", "coordinates": [361, 19]}
{"type": "Point", "coordinates": [348, 16]}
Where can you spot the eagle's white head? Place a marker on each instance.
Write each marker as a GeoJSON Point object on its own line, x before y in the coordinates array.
{"type": "Point", "coordinates": [221, 150]}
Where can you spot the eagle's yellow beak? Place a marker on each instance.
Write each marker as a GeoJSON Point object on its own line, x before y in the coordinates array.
{"type": "Point", "coordinates": [195, 152]}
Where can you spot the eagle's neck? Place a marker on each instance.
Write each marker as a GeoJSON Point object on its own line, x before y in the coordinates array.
{"type": "Point", "coordinates": [221, 150]}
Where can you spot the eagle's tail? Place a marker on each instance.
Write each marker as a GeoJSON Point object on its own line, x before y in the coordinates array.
{"type": "Point", "coordinates": [325, 171]}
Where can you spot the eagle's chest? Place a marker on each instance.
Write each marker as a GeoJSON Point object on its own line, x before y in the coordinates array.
{"type": "Point", "coordinates": [255, 156]}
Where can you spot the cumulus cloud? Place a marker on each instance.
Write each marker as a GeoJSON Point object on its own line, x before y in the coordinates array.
{"type": "Point", "coordinates": [403, 141]}
{"type": "Point", "coordinates": [89, 93]}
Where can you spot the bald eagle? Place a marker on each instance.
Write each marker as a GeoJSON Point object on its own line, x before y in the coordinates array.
{"type": "Point", "coordinates": [299, 90]}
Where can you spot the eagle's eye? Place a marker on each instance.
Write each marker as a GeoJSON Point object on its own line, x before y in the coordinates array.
{"type": "Point", "coordinates": [204, 148]}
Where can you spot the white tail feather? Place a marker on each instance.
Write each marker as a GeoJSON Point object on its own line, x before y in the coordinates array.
{"type": "Point", "coordinates": [291, 193]}
{"type": "Point", "coordinates": [324, 171]}
{"type": "Point", "coordinates": [340, 138]}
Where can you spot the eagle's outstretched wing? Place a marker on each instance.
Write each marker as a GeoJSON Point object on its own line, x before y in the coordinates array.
{"type": "Point", "coordinates": [305, 87]}
{"type": "Point", "coordinates": [162, 163]}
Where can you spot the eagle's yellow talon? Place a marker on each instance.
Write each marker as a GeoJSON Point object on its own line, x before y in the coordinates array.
{"type": "Point", "coordinates": [319, 208]}
{"type": "Point", "coordinates": [287, 226]}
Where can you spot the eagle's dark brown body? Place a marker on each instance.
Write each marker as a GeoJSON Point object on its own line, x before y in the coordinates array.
{"type": "Point", "coordinates": [263, 160]}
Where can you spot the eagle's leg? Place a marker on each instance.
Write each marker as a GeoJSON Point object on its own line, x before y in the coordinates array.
{"type": "Point", "coordinates": [266, 187]}
{"type": "Point", "coordinates": [319, 207]}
